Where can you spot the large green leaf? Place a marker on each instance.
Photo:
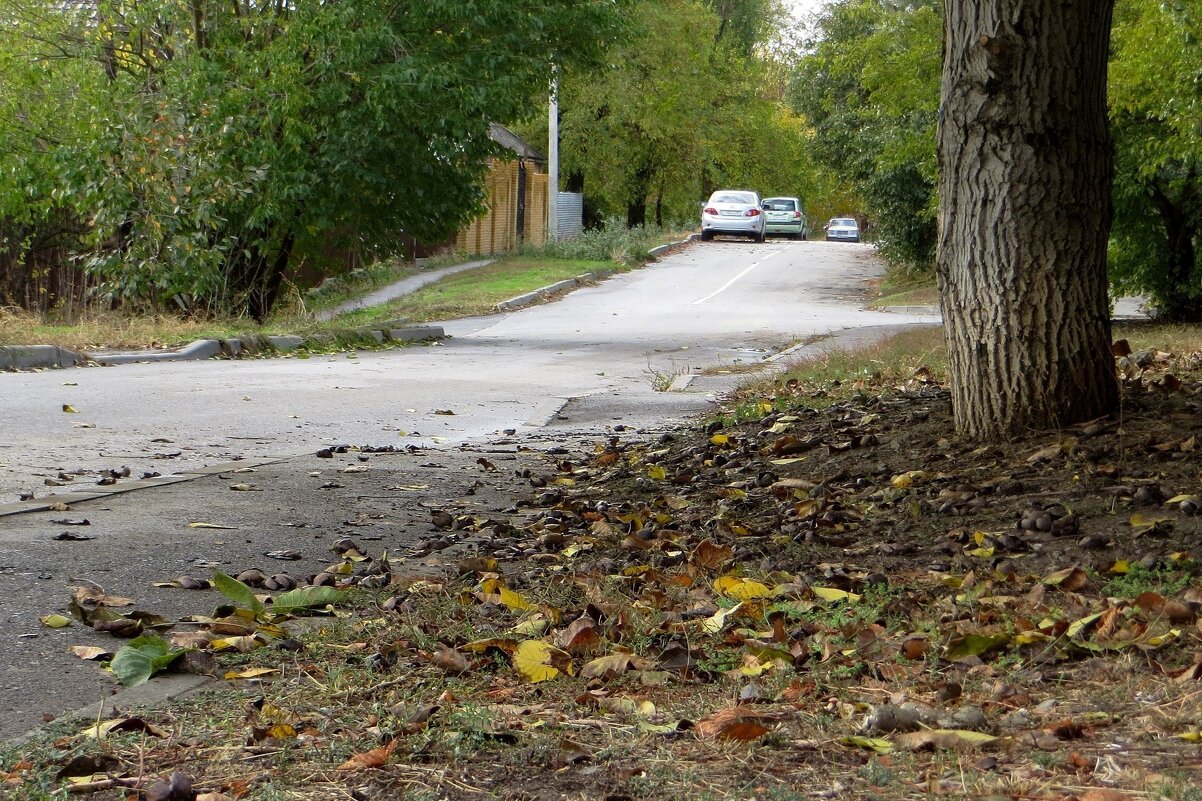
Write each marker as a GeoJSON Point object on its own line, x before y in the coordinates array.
{"type": "Point", "coordinates": [306, 598]}
{"type": "Point", "coordinates": [242, 596]}
{"type": "Point", "coordinates": [141, 658]}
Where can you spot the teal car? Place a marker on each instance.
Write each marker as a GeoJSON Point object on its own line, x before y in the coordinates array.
{"type": "Point", "coordinates": [784, 215]}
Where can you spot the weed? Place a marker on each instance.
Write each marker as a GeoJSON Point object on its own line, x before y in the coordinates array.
{"type": "Point", "coordinates": [1139, 579]}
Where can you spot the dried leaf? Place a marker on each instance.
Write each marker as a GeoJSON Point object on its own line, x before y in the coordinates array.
{"type": "Point", "coordinates": [741, 589]}
{"type": "Point", "coordinates": [710, 555]}
{"type": "Point", "coordinates": [449, 660]}
{"type": "Point", "coordinates": [606, 667]}
{"type": "Point", "coordinates": [736, 723]}
{"type": "Point", "coordinates": [375, 758]}
{"type": "Point", "coordinates": [832, 594]}
{"type": "Point", "coordinates": [534, 658]}
{"type": "Point", "coordinates": [951, 739]}
{"type": "Point", "coordinates": [1070, 579]}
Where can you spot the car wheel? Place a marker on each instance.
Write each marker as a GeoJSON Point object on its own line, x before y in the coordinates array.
{"type": "Point", "coordinates": [706, 236]}
{"type": "Point", "coordinates": [761, 236]}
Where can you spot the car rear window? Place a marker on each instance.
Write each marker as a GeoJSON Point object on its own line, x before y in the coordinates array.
{"type": "Point", "coordinates": [731, 197]}
{"type": "Point", "coordinates": [781, 205]}
{"type": "Point", "coordinates": [844, 221]}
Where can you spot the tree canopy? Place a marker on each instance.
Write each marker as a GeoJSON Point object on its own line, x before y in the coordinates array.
{"type": "Point", "coordinates": [217, 143]}
{"type": "Point", "coordinates": [1155, 108]}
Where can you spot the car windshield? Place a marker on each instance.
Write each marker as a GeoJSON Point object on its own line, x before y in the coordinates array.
{"type": "Point", "coordinates": [732, 197]}
{"type": "Point", "coordinates": [780, 205]}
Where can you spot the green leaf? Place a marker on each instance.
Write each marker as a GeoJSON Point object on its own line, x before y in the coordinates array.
{"type": "Point", "coordinates": [242, 596]}
{"type": "Point", "coordinates": [141, 658]}
{"type": "Point", "coordinates": [306, 598]}
{"type": "Point", "coordinates": [878, 744]}
{"type": "Point", "coordinates": [975, 645]}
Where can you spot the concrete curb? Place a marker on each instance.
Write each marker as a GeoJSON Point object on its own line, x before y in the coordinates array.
{"type": "Point", "coordinates": [34, 357]}
{"type": "Point", "coordinates": [543, 292]}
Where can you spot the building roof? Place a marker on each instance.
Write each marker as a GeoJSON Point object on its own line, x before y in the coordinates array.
{"type": "Point", "coordinates": [508, 139]}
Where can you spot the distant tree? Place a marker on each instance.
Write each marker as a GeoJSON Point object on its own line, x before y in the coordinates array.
{"type": "Point", "coordinates": [1025, 174]}
{"type": "Point", "coordinates": [869, 86]}
{"type": "Point", "coordinates": [685, 104]}
{"type": "Point", "coordinates": [1155, 108]}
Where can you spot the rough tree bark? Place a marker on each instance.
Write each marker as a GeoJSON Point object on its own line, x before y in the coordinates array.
{"type": "Point", "coordinates": [1025, 174]}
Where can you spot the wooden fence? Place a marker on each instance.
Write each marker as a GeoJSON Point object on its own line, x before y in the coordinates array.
{"type": "Point", "coordinates": [517, 210]}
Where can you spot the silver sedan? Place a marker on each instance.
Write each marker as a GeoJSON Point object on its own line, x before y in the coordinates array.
{"type": "Point", "coordinates": [734, 212]}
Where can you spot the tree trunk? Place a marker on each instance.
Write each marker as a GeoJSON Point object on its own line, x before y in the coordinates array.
{"type": "Point", "coordinates": [1180, 303]}
{"type": "Point", "coordinates": [1025, 173]}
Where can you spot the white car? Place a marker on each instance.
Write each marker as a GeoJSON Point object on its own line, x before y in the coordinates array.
{"type": "Point", "coordinates": [733, 211]}
{"type": "Point", "coordinates": [843, 229]}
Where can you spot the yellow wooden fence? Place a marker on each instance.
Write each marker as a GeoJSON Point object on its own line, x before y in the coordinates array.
{"type": "Point", "coordinates": [496, 230]}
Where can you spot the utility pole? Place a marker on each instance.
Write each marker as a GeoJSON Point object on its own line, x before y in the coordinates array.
{"type": "Point", "coordinates": [553, 159]}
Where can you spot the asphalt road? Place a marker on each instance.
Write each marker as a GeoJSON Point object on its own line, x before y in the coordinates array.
{"type": "Point", "coordinates": [596, 356]}
{"type": "Point", "coordinates": [563, 373]}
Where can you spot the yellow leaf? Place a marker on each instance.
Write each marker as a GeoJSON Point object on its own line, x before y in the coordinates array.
{"type": "Point", "coordinates": [908, 479]}
{"type": "Point", "coordinates": [720, 439]}
{"type": "Point", "coordinates": [251, 673]}
{"type": "Point", "coordinates": [1163, 639]}
{"type": "Point", "coordinates": [531, 626]}
{"type": "Point", "coordinates": [877, 744]}
{"type": "Point", "coordinates": [656, 473]}
{"type": "Point", "coordinates": [69, 409]}
{"type": "Point", "coordinates": [1120, 567]}
{"type": "Point", "coordinates": [515, 601]}
{"type": "Point", "coordinates": [832, 594]}
{"type": "Point", "coordinates": [55, 621]}
{"type": "Point", "coordinates": [1191, 736]}
{"type": "Point", "coordinates": [533, 659]}
{"type": "Point", "coordinates": [981, 553]}
{"type": "Point", "coordinates": [717, 621]}
{"type": "Point", "coordinates": [1078, 626]}
{"type": "Point", "coordinates": [952, 739]}
{"type": "Point", "coordinates": [741, 589]}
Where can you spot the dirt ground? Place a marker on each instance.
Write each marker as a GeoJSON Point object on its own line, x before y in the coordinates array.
{"type": "Point", "coordinates": [834, 598]}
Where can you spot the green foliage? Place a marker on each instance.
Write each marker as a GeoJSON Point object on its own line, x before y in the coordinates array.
{"type": "Point", "coordinates": [216, 144]}
{"type": "Point", "coordinates": [613, 241]}
{"type": "Point", "coordinates": [143, 657]}
{"type": "Point", "coordinates": [870, 88]}
{"type": "Point", "coordinates": [242, 595]}
{"type": "Point", "coordinates": [686, 104]}
{"type": "Point", "coordinates": [1155, 108]}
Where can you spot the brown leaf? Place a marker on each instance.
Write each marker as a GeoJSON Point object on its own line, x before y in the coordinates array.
{"type": "Point", "coordinates": [449, 660]}
{"type": "Point", "coordinates": [736, 723]}
{"type": "Point", "coordinates": [177, 788]}
{"type": "Point", "coordinates": [915, 647]}
{"type": "Point", "coordinates": [710, 555]}
{"type": "Point", "coordinates": [375, 758]}
{"type": "Point", "coordinates": [580, 636]}
{"type": "Point", "coordinates": [1104, 794]}
{"type": "Point", "coordinates": [606, 667]}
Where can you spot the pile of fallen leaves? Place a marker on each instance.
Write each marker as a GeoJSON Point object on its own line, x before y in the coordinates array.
{"type": "Point", "coordinates": [835, 600]}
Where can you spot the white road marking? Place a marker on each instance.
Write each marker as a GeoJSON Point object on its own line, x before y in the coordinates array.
{"type": "Point", "coordinates": [732, 281]}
